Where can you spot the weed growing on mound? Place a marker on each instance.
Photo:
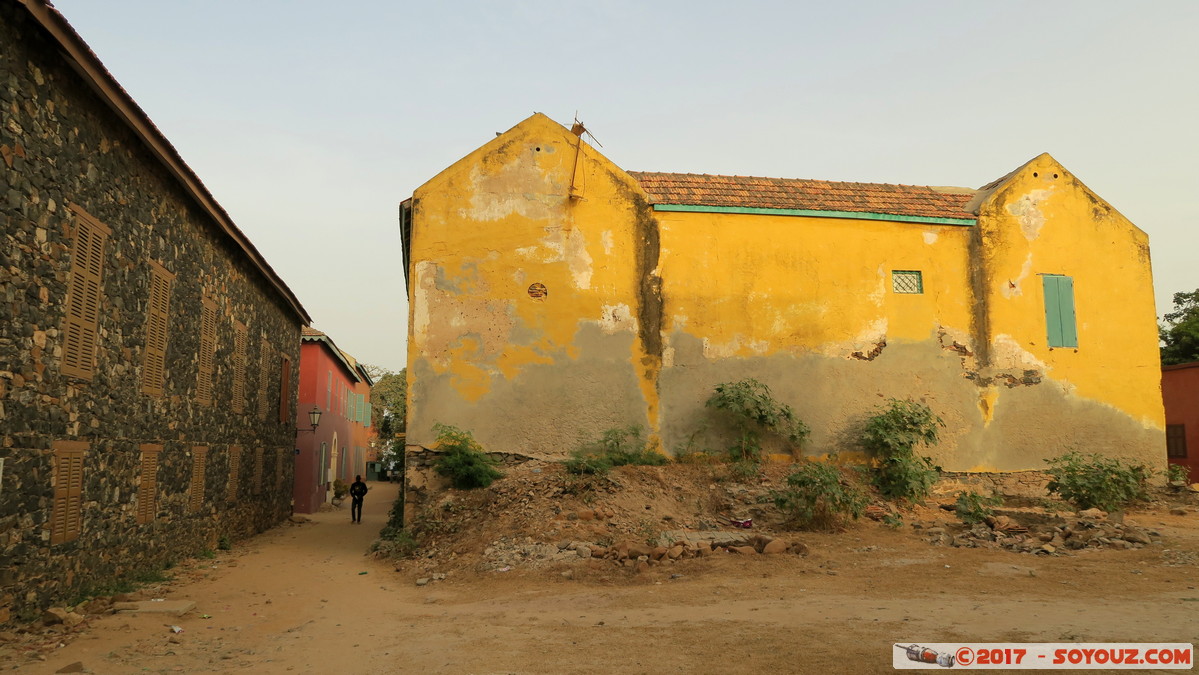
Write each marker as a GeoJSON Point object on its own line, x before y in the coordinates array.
{"type": "Point", "coordinates": [1095, 481]}
{"type": "Point", "coordinates": [892, 436]}
{"type": "Point", "coordinates": [1177, 473]}
{"type": "Point", "coordinates": [973, 508]}
{"type": "Point", "coordinates": [752, 409]}
{"type": "Point", "coordinates": [817, 496]}
{"type": "Point", "coordinates": [463, 460]}
{"type": "Point", "coordinates": [615, 447]}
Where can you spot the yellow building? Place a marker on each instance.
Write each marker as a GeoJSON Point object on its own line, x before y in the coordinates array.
{"type": "Point", "coordinates": [554, 295]}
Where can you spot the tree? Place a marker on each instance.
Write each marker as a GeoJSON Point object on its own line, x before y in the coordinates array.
{"type": "Point", "coordinates": [1179, 330]}
{"type": "Point", "coordinates": [389, 398]}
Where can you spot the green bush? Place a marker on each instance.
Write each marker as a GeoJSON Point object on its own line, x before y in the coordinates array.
{"type": "Point", "coordinates": [752, 409]}
{"type": "Point", "coordinates": [463, 460]}
{"type": "Point", "coordinates": [818, 496]}
{"type": "Point", "coordinates": [1177, 473]}
{"type": "Point", "coordinates": [1095, 481]}
{"type": "Point", "coordinates": [224, 543]}
{"type": "Point", "coordinates": [615, 447]}
{"type": "Point", "coordinates": [972, 508]}
{"type": "Point", "coordinates": [892, 436]}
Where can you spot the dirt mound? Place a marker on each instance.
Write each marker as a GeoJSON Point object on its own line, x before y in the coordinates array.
{"type": "Point", "coordinates": [541, 516]}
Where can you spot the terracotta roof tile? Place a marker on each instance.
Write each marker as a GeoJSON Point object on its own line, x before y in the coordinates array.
{"type": "Point", "coordinates": [308, 331]}
{"type": "Point", "coordinates": [802, 194]}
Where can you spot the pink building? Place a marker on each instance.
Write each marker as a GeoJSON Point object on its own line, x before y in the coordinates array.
{"type": "Point", "coordinates": [340, 389]}
{"type": "Point", "coordinates": [1180, 392]}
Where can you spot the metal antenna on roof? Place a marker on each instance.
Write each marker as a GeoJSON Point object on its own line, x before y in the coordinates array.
{"type": "Point", "coordinates": [578, 130]}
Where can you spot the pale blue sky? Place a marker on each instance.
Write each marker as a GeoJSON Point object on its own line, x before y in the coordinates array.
{"type": "Point", "coordinates": [310, 121]}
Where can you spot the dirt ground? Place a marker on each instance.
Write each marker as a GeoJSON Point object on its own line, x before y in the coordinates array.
{"type": "Point", "coordinates": [308, 598]}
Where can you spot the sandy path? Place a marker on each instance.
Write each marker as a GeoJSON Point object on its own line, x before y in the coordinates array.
{"type": "Point", "coordinates": [293, 600]}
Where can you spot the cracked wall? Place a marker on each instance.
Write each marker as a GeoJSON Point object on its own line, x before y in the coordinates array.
{"type": "Point", "coordinates": [549, 302]}
{"type": "Point", "coordinates": [534, 309]}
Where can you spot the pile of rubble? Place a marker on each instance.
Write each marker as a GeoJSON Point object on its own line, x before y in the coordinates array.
{"type": "Point", "coordinates": [1026, 532]}
{"type": "Point", "coordinates": [504, 553]}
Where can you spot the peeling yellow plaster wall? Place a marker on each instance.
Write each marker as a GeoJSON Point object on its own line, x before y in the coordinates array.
{"type": "Point", "coordinates": [1043, 220]}
{"type": "Point", "coordinates": [533, 206]}
{"type": "Point", "coordinates": [759, 285]}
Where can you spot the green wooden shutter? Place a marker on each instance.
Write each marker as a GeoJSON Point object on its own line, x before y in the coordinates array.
{"type": "Point", "coordinates": [1059, 311]}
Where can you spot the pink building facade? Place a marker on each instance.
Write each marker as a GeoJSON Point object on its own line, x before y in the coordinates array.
{"type": "Point", "coordinates": [339, 388]}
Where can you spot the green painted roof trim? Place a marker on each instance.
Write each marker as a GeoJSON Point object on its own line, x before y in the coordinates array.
{"type": "Point", "coordinates": [858, 215]}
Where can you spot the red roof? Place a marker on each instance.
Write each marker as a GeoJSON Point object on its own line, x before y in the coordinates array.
{"type": "Point", "coordinates": [801, 194]}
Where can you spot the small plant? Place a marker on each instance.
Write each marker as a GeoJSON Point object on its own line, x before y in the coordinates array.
{"type": "Point", "coordinates": [207, 554]}
{"type": "Point", "coordinates": [1095, 481]}
{"type": "Point", "coordinates": [223, 543]}
{"type": "Point", "coordinates": [615, 447]}
{"type": "Point", "coordinates": [397, 544]}
{"type": "Point", "coordinates": [340, 489]}
{"type": "Point", "coordinates": [743, 470]}
{"type": "Point", "coordinates": [973, 508]}
{"type": "Point", "coordinates": [463, 460]}
{"type": "Point", "coordinates": [753, 410]}
{"type": "Point", "coordinates": [893, 521]}
{"type": "Point", "coordinates": [892, 436]}
{"type": "Point", "coordinates": [1177, 473]}
{"type": "Point", "coordinates": [818, 496]}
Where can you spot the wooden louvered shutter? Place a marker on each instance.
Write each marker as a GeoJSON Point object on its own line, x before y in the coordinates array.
{"type": "Point", "coordinates": [147, 486]}
{"type": "Point", "coordinates": [264, 378]}
{"type": "Point", "coordinates": [157, 320]}
{"type": "Point", "coordinates": [195, 492]}
{"type": "Point", "coordinates": [234, 470]}
{"type": "Point", "coordinates": [66, 517]}
{"type": "Point", "coordinates": [258, 462]}
{"type": "Point", "coordinates": [207, 351]}
{"type": "Point", "coordinates": [239, 368]}
{"type": "Point", "coordinates": [84, 296]}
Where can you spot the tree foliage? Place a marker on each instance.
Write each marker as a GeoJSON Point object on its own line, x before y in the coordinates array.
{"type": "Point", "coordinates": [1179, 331]}
{"type": "Point", "coordinates": [389, 398]}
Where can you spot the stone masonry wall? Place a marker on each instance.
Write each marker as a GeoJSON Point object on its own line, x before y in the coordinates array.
{"type": "Point", "coordinates": [60, 144]}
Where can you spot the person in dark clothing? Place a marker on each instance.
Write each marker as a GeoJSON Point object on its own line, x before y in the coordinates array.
{"type": "Point", "coordinates": [357, 492]}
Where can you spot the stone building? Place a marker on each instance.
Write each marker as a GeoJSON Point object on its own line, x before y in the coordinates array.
{"type": "Point", "coordinates": [147, 359]}
{"type": "Point", "coordinates": [554, 295]}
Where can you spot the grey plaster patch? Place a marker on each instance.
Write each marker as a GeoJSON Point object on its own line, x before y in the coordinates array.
{"type": "Point", "coordinates": [832, 396]}
{"type": "Point", "coordinates": [548, 410]}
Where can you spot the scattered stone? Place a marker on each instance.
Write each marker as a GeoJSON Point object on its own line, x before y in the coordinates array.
{"type": "Point", "coordinates": [743, 550]}
{"type": "Point", "coordinates": [1094, 514]}
{"type": "Point", "coordinates": [76, 667]}
{"type": "Point", "coordinates": [1137, 535]}
{"type": "Point", "coordinates": [423, 581]}
{"type": "Point", "coordinates": [1178, 512]}
{"type": "Point", "coordinates": [774, 547]}
{"type": "Point", "coordinates": [173, 607]}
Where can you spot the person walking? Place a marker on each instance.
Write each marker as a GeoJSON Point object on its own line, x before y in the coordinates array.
{"type": "Point", "coordinates": [358, 490]}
